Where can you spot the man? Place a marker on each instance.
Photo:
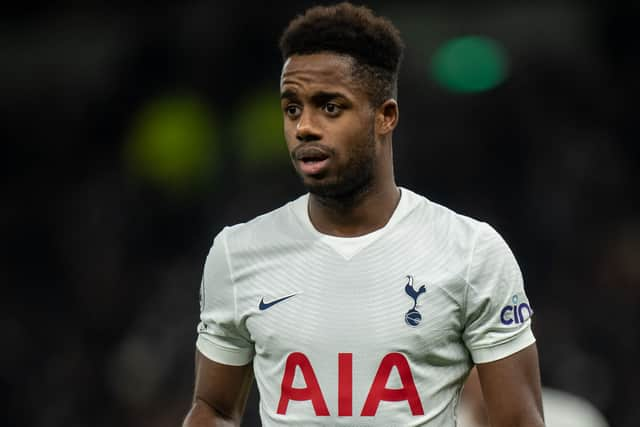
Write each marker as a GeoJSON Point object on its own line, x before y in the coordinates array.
{"type": "Point", "coordinates": [360, 303]}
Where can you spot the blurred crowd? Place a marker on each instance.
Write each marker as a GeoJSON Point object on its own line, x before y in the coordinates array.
{"type": "Point", "coordinates": [103, 261]}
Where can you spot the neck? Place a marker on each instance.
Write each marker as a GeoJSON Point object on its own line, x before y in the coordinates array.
{"type": "Point", "coordinates": [359, 214]}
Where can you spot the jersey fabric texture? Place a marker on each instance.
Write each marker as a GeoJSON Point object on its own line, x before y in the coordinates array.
{"type": "Point", "coordinates": [429, 294]}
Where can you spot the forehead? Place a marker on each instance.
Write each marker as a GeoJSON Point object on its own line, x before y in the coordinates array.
{"type": "Point", "coordinates": [319, 71]}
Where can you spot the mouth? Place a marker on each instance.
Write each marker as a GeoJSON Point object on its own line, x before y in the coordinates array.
{"type": "Point", "coordinates": [312, 160]}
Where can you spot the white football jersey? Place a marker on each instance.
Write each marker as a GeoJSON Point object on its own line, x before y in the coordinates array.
{"type": "Point", "coordinates": [376, 330]}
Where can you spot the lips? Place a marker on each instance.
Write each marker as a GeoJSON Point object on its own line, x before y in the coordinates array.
{"type": "Point", "coordinates": [312, 160]}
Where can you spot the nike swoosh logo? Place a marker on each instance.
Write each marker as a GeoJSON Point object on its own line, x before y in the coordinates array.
{"type": "Point", "coordinates": [264, 305]}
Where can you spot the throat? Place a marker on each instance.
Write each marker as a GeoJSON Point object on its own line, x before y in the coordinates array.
{"type": "Point", "coordinates": [357, 215]}
{"type": "Point", "coordinates": [344, 202]}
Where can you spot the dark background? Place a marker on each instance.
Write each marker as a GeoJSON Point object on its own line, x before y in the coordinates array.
{"type": "Point", "coordinates": [135, 133]}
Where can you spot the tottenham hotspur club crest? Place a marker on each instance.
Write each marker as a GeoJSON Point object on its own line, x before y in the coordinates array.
{"type": "Point", "coordinates": [413, 316]}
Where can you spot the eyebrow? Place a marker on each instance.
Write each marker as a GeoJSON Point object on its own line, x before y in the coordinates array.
{"type": "Point", "coordinates": [322, 97]}
{"type": "Point", "coordinates": [288, 94]}
{"type": "Point", "coordinates": [317, 98]}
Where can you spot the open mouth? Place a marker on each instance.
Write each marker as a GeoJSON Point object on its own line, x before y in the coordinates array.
{"type": "Point", "coordinates": [312, 161]}
{"type": "Point", "coordinates": [313, 158]}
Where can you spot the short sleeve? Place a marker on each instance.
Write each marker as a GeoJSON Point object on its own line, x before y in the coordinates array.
{"type": "Point", "coordinates": [220, 338]}
{"type": "Point", "coordinates": [498, 313]}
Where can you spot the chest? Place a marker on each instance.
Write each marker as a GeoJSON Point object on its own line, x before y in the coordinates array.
{"type": "Point", "coordinates": [371, 304]}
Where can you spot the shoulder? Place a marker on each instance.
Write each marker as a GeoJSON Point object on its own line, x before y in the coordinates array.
{"type": "Point", "coordinates": [274, 226]}
{"type": "Point", "coordinates": [463, 245]}
{"type": "Point", "coordinates": [446, 225]}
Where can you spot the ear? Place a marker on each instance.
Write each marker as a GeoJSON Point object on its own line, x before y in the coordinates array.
{"type": "Point", "coordinates": [387, 116]}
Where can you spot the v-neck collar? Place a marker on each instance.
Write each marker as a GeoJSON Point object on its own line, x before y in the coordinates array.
{"type": "Point", "coordinates": [348, 247]}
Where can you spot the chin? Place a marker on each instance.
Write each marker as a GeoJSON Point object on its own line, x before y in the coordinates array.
{"type": "Point", "coordinates": [336, 190]}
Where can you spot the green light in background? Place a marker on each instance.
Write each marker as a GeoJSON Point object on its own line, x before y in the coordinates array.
{"type": "Point", "coordinates": [257, 131]}
{"type": "Point", "coordinates": [469, 64]}
{"type": "Point", "coordinates": [173, 143]}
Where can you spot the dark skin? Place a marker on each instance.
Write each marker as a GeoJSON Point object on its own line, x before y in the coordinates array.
{"type": "Point", "coordinates": [512, 390]}
{"type": "Point", "coordinates": [475, 388]}
{"type": "Point", "coordinates": [220, 394]}
{"type": "Point", "coordinates": [326, 110]}
{"type": "Point", "coordinates": [340, 145]}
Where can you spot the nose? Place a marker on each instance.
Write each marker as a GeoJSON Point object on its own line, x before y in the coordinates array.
{"type": "Point", "coordinates": [306, 129]}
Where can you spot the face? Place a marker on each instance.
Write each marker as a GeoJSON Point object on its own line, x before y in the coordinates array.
{"type": "Point", "coordinates": [328, 125]}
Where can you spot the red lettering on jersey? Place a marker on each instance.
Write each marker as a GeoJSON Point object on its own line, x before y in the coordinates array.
{"type": "Point", "coordinates": [311, 392]}
{"type": "Point", "coordinates": [345, 389]}
{"type": "Point", "coordinates": [379, 391]}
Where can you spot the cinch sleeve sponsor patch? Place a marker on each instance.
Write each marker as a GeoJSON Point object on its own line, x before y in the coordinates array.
{"type": "Point", "coordinates": [497, 309]}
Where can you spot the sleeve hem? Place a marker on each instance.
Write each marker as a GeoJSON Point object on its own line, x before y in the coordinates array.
{"type": "Point", "coordinates": [223, 355]}
{"type": "Point", "coordinates": [500, 351]}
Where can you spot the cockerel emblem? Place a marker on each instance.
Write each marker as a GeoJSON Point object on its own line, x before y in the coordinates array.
{"type": "Point", "coordinates": [413, 316]}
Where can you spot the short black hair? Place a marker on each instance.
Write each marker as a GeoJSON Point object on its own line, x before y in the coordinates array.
{"type": "Point", "coordinates": [372, 41]}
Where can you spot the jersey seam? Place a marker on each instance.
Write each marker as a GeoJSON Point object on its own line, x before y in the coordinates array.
{"type": "Point", "coordinates": [233, 281]}
{"type": "Point", "coordinates": [466, 278]}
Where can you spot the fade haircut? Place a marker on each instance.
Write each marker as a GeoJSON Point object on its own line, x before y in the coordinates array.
{"type": "Point", "coordinates": [372, 41]}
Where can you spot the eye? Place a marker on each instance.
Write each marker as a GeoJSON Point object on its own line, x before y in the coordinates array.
{"type": "Point", "coordinates": [292, 110]}
{"type": "Point", "coordinates": [331, 108]}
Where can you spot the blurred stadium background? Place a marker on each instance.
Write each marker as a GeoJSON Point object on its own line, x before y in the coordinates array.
{"type": "Point", "coordinates": [135, 133]}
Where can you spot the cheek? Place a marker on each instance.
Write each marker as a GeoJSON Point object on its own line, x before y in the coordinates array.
{"type": "Point", "coordinates": [290, 134]}
{"type": "Point", "coordinates": [358, 137]}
